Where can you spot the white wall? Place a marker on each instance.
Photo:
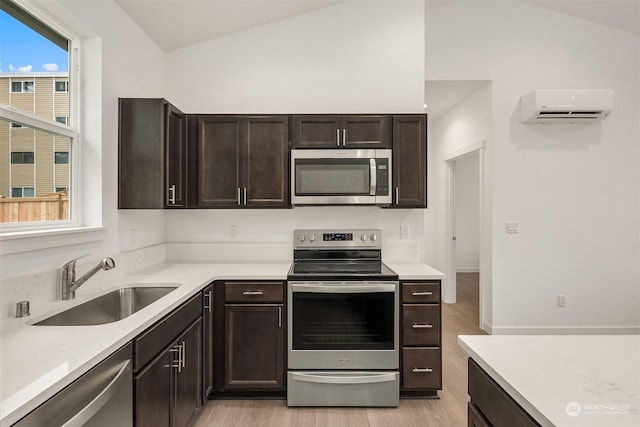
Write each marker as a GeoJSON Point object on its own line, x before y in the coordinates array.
{"type": "Point", "coordinates": [129, 64]}
{"type": "Point", "coordinates": [467, 214]}
{"type": "Point", "coordinates": [354, 57]}
{"type": "Point", "coordinates": [572, 188]}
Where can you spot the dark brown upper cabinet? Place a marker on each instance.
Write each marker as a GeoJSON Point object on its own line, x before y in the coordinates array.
{"type": "Point", "coordinates": [410, 161]}
{"type": "Point", "coordinates": [240, 161]}
{"type": "Point", "coordinates": [341, 131]}
{"type": "Point", "coordinates": [151, 154]}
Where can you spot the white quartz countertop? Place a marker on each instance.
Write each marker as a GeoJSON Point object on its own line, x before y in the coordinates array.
{"type": "Point", "coordinates": [415, 271]}
{"type": "Point", "coordinates": [565, 380]}
{"type": "Point", "coordinates": [38, 361]}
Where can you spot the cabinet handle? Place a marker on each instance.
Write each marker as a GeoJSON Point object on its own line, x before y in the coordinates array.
{"type": "Point", "coordinates": [177, 349]}
{"type": "Point", "coordinates": [238, 196]}
{"type": "Point", "coordinates": [397, 194]}
{"type": "Point", "coordinates": [172, 195]}
{"type": "Point", "coordinates": [208, 296]}
{"type": "Point", "coordinates": [417, 294]}
{"type": "Point", "coordinates": [279, 317]}
{"type": "Point", "coordinates": [245, 195]}
{"type": "Point", "coordinates": [252, 292]}
{"type": "Point", "coordinates": [338, 137]}
{"type": "Point", "coordinates": [344, 137]}
{"type": "Point", "coordinates": [422, 326]}
{"type": "Point", "coordinates": [184, 354]}
{"type": "Point", "coordinates": [422, 370]}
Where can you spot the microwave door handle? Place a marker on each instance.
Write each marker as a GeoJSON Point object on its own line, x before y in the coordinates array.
{"type": "Point", "coordinates": [373, 180]}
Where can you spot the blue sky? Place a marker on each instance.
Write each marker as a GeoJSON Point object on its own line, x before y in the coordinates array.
{"type": "Point", "coordinates": [22, 49]}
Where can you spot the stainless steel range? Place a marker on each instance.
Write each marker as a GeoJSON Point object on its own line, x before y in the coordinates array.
{"type": "Point", "coordinates": [343, 321]}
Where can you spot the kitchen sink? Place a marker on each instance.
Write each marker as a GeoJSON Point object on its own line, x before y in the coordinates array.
{"type": "Point", "coordinates": [109, 308]}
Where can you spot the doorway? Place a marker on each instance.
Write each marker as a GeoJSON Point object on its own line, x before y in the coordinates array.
{"type": "Point", "coordinates": [464, 191]}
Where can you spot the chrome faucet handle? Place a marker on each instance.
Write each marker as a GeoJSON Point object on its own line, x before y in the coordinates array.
{"type": "Point", "coordinates": [71, 265]}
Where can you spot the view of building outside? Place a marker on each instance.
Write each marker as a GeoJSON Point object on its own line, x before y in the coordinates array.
{"type": "Point", "coordinates": [35, 165]}
{"type": "Point", "coordinates": [33, 162]}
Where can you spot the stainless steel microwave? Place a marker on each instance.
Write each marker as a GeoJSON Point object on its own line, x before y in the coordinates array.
{"type": "Point", "coordinates": [341, 177]}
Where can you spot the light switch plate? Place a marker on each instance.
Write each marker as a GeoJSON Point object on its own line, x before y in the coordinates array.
{"type": "Point", "coordinates": [513, 227]}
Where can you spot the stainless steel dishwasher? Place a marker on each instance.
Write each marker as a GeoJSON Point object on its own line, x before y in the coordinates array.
{"type": "Point", "coordinates": [103, 397]}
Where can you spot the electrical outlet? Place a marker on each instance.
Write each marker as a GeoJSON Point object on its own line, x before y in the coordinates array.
{"type": "Point", "coordinates": [562, 300]}
{"type": "Point", "coordinates": [513, 227]}
{"type": "Point", "coordinates": [132, 237]}
{"type": "Point", "coordinates": [233, 231]}
{"type": "Point", "coordinates": [404, 231]}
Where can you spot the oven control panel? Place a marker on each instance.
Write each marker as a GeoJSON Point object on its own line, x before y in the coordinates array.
{"type": "Point", "coordinates": [366, 238]}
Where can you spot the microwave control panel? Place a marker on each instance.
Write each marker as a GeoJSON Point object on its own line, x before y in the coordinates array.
{"type": "Point", "coordinates": [382, 177]}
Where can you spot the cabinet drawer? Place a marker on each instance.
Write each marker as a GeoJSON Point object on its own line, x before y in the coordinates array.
{"type": "Point", "coordinates": [252, 292]}
{"type": "Point", "coordinates": [148, 344]}
{"type": "Point", "coordinates": [420, 324]}
{"type": "Point", "coordinates": [493, 402]}
{"type": "Point", "coordinates": [423, 292]}
{"type": "Point", "coordinates": [421, 368]}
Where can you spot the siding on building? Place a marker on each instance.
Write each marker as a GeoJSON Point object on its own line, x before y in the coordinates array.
{"type": "Point", "coordinates": [45, 176]}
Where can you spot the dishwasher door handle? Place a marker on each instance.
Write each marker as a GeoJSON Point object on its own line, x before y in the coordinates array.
{"type": "Point", "coordinates": [86, 413]}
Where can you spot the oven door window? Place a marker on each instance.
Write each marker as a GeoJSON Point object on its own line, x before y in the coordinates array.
{"type": "Point", "coordinates": [343, 321]}
{"type": "Point", "coordinates": [332, 177]}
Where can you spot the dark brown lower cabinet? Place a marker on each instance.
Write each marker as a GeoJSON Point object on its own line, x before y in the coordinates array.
{"type": "Point", "coordinates": [207, 342]}
{"type": "Point", "coordinates": [188, 380]}
{"type": "Point", "coordinates": [254, 356]}
{"type": "Point", "coordinates": [152, 389]}
{"type": "Point", "coordinates": [490, 405]}
{"type": "Point", "coordinates": [167, 380]}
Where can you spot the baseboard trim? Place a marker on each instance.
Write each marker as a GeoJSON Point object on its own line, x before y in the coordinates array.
{"type": "Point", "coordinates": [467, 270]}
{"type": "Point", "coordinates": [566, 330]}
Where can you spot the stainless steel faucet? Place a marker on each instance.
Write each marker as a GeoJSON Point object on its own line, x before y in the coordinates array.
{"type": "Point", "coordinates": [69, 283]}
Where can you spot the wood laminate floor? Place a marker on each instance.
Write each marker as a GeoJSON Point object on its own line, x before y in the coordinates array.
{"type": "Point", "coordinates": [449, 410]}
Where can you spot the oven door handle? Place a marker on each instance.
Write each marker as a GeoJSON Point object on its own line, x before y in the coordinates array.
{"type": "Point", "coordinates": [343, 289]}
{"type": "Point", "coordinates": [344, 379]}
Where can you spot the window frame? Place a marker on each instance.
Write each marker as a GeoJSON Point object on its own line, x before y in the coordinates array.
{"type": "Point", "coordinates": [55, 157]}
{"type": "Point", "coordinates": [66, 86]}
{"type": "Point", "coordinates": [30, 120]}
{"type": "Point", "coordinates": [23, 162]}
{"type": "Point", "coordinates": [22, 82]}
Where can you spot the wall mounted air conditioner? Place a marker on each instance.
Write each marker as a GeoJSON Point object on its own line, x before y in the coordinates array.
{"type": "Point", "coordinates": [566, 105]}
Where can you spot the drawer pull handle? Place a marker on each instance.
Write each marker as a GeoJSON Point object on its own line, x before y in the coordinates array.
{"type": "Point", "coordinates": [252, 293]}
{"type": "Point", "coordinates": [419, 294]}
{"type": "Point", "coordinates": [422, 370]}
{"type": "Point", "coordinates": [422, 325]}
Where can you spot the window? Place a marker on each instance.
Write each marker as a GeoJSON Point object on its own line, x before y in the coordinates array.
{"type": "Point", "coordinates": [61, 157]}
{"type": "Point", "coordinates": [61, 86]}
{"type": "Point", "coordinates": [22, 158]}
{"type": "Point", "coordinates": [22, 86]}
{"type": "Point", "coordinates": [61, 189]}
{"type": "Point", "coordinates": [22, 192]}
{"type": "Point", "coordinates": [50, 144]}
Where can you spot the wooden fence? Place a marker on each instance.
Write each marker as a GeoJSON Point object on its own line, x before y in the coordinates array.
{"type": "Point", "coordinates": [43, 208]}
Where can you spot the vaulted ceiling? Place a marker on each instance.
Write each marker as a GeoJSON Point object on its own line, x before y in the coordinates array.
{"type": "Point", "coordinates": [174, 24]}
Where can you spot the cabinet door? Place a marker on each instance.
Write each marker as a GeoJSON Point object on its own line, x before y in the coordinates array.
{"type": "Point", "coordinates": [140, 153]}
{"type": "Point", "coordinates": [188, 378]}
{"type": "Point", "coordinates": [266, 161]}
{"type": "Point", "coordinates": [207, 342]}
{"type": "Point", "coordinates": [153, 394]}
{"type": "Point", "coordinates": [366, 131]}
{"type": "Point", "coordinates": [321, 131]}
{"type": "Point", "coordinates": [218, 153]}
{"type": "Point", "coordinates": [175, 157]}
{"type": "Point", "coordinates": [254, 347]}
{"type": "Point", "coordinates": [410, 161]}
